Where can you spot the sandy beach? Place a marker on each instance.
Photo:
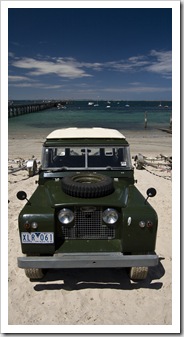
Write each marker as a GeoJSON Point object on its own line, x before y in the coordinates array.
{"type": "Point", "coordinates": [93, 297]}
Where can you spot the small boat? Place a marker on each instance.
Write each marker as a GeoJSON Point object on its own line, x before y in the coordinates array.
{"type": "Point", "coordinates": [60, 106]}
{"type": "Point", "coordinates": [90, 103]}
{"type": "Point", "coordinates": [127, 105]}
{"type": "Point", "coordinates": [108, 106]}
{"type": "Point", "coordinates": [96, 104]}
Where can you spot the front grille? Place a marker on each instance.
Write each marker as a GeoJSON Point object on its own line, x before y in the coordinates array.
{"type": "Point", "coordinates": [88, 225]}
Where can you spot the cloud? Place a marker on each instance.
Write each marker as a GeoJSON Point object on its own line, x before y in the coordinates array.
{"type": "Point", "coordinates": [26, 82]}
{"type": "Point", "coordinates": [61, 67]}
{"type": "Point", "coordinates": [23, 85]}
{"type": "Point", "coordinates": [135, 83]}
{"type": "Point", "coordinates": [138, 89]}
{"type": "Point", "coordinates": [52, 86]}
{"type": "Point", "coordinates": [158, 62]}
{"type": "Point", "coordinates": [161, 63]}
{"type": "Point", "coordinates": [19, 79]}
{"type": "Point", "coordinates": [132, 64]}
{"type": "Point", "coordinates": [10, 54]}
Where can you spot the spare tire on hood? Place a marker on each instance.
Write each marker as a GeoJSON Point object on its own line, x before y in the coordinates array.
{"type": "Point", "coordinates": [87, 185]}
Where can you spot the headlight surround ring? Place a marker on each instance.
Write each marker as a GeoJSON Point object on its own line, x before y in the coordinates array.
{"type": "Point", "coordinates": [66, 216]}
{"type": "Point", "coordinates": [110, 216]}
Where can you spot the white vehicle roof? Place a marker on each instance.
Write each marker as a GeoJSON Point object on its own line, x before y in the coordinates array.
{"type": "Point", "coordinates": [85, 133]}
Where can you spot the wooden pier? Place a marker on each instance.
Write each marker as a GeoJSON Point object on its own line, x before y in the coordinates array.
{"type": "Point", "coordinates": [17, 110]}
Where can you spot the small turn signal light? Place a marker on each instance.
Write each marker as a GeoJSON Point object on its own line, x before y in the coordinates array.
{"type": "Point", "coordinates": [149, 224]}
{"type": "Point", "coordinates": [27, 225]}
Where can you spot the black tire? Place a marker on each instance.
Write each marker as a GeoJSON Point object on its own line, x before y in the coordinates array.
{"type": "Point", "coordinates": [87, 185]}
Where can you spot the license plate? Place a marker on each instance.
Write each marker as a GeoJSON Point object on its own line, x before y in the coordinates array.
{"type": "Point", "coordinates": [37, 237]}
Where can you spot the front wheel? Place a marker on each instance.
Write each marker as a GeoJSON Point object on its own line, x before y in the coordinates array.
{"type": "Point", "coordinates": [138, 273]}
{"type": "Point", "coordinates": [34, 273]}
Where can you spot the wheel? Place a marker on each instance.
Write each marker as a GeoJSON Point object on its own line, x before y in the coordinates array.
{"type": "Point", "coordinates": [138, 273]}
{"type": "Point", "coordinates": [87, 185]}
{"type": "Point", "coordinates": [34, 273]}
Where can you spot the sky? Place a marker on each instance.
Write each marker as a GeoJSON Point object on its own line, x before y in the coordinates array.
{"type": "Point", "coordinates": [90, 53]}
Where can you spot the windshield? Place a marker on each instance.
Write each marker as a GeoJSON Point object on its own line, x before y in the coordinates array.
{"type": "Point", "coordinates": [86, 158]}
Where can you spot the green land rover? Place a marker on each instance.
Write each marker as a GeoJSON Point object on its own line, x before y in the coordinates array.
{"type": "Point", "coordinates": [86, 211]}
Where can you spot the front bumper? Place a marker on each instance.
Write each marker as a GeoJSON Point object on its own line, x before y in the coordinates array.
{"type": "Point", "coordinates": [88, 260]}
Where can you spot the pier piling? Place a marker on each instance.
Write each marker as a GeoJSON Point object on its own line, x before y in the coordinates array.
{"type": "Point", "coordinates": [145, 120]}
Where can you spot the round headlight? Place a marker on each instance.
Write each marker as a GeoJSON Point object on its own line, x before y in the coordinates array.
{"type": "Point", "coordinates": [65, 216]}
{"type": "Point", "coordinates": [110, 216]}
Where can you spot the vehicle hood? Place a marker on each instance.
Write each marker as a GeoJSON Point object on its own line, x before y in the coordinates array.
{"type": "Point", "coordinates": [57, 197]}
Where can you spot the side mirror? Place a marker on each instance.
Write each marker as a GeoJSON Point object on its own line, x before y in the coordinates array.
{"type": "Point", "coordinates": [21, 195]}
{"type": "Point", "coordinates": [151, 192]}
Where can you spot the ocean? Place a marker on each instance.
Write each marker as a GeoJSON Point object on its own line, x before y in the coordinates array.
{"type": "Point", "coordinates": [120, 115]}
